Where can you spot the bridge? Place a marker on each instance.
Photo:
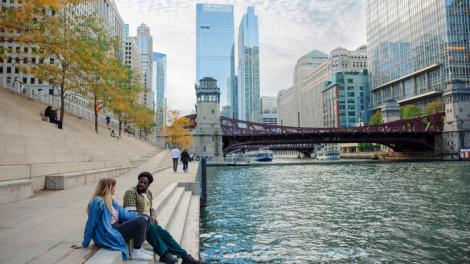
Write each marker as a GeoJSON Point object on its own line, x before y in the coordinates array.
{"type": "Point", "coordinates": [416, 134]}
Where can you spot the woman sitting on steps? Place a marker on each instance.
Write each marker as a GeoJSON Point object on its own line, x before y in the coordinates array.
{"type": "Point", "coordinates": [110, 225]}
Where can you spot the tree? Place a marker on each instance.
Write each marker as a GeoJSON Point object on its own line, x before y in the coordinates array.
{"type": "Point", "coordinates": [434, 107]}
{"type": "Point", "coordinates": [376, 119]}
{"type": "Point", "coordinates": [177, 133]}
{"type": "Point", "coordinates": [53, 29]}
{"type": "Point", "coordinates": [143, 118]}
{"type": "Point", "coordinates": [410, 111]}
{"type": "Point", "coordinates": [124, 95]}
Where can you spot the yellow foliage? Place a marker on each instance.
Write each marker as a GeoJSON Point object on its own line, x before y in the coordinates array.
{"type": "Point", "coordinates": [178, 134]}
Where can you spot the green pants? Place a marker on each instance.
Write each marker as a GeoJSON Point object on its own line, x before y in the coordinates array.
{"type": "Point", "coordinates": [162, 241]}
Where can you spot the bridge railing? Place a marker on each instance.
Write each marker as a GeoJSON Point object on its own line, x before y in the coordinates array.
{"type": "Point", "coordinates": [424, 124]}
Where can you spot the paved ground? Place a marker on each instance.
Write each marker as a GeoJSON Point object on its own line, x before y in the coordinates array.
{"type": "Point", "coordinates": [35, 230]}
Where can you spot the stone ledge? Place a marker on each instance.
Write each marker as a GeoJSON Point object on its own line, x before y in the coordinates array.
{"type": "Point", "coordinates": [67, 180]}
{"type": "Point", "coordinates": [15, 190]}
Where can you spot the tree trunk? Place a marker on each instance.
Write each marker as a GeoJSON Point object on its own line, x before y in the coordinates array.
{"type": "Point", "coordinates": [95, 100]}
{"type": "Point", "coordinates": [62, 105]}
{"type": "Point", "coordinates": [120, 125]}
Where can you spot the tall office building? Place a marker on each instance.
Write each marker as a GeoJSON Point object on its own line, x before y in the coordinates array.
{"type": "Point", "coordinates": [269, 110]}
{"type": "Point", "coordinates": [248, 68]}
{"type": "Point", "coordinates": [126, 31]}
{"type": "Point", "coordinates": [145, 44]}
{"type": "Point", "coordinates": [415, 48]}
{"type": "Point", "coordinates": [159, 86]}
{"type": "Point", "coordinates": [215, 47]}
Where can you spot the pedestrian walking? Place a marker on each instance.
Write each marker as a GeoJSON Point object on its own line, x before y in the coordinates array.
{"type": "Point", "coordinates": [175, 155]}
{"type": "Point", "coordinates": [108, 120]}
{"type": "Point", "coordinates": [185, 160]}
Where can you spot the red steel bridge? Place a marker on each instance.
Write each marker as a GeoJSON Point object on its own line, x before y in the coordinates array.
{"type": "Point", "coordinates": [416, 134]}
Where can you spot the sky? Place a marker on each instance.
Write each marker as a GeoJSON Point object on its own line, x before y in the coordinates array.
{"type": "Point", "coordinates": [288, 29]}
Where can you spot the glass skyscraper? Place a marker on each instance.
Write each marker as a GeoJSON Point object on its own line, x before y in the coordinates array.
{"type": "Point", "coordinates": [145, 43]}
{"type": "Point", "coordinates": [159, 86]}
{"type": "Point", "coordinates": [248, 68]}
{"type": "Point", "coordinates": [415, 48]}
{"type": "Point", "coordinates": [215, 47]}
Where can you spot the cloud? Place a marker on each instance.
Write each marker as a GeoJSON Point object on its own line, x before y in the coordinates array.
{"type": "Point", "coordinates": [288, 30]}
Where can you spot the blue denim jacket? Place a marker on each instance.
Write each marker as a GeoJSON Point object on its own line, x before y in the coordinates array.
{"type": "Point", "coordinates": [98, 226]}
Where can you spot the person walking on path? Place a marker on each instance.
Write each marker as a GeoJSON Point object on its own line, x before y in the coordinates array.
{"type": "Point", "coordinates": [110, 225]}
{"type": "Point", "coordinates": [175, 155]}
{"type": "Point", "coordinates": [185, 160]}
{"type": "Point", "coordinates": [108, 120]}
{"type": "Point", "coordinates": [139, 198]}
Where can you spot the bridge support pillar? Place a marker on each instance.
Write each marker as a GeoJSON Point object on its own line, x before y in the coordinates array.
{"type": "Point", "coordinates": [207, 136]}
{"type": "Point", "coordinates": [456, 135]}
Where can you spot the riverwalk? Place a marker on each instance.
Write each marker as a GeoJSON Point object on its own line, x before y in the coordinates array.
{"type": "Point", "coordinates": [41, 229]}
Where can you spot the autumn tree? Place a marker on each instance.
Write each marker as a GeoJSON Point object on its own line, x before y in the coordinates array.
{"type": "Point", "coordinates": [123, 96]}
{"type": "Point", "coordinates": [434, 107]}
{"type": "Point", "coordinates": [376, 119]}
{"type": "Point", "coordinates": [177, 133]}
{"type": "Point", "coordinates": [143, 118]}
{"type": "Point", "coordinates": [53, 30]}
{"type": "Point", "coordinates": [410, 111]}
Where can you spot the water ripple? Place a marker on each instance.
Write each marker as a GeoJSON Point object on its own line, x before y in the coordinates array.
{"type": "Point", "coordinates": [347, 212]}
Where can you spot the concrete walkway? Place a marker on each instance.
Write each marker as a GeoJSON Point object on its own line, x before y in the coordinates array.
{"type": "Point", "coordinates": [42, 228]}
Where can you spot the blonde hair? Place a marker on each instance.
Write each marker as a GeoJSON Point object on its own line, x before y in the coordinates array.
{"type": "Point", "coordinates": [104, 190]}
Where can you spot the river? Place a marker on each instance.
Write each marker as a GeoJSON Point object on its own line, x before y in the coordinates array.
{"type": "Point", "coordinates": [340, 212]}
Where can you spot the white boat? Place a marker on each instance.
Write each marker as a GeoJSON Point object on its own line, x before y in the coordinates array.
{"type": "Point", "coordinates": [264, 154]}
{"type": "Point", "coordinates": [328, 154]}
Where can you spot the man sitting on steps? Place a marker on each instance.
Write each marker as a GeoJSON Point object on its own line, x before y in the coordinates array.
{"type": "Point", "coordinates": [139, 199]}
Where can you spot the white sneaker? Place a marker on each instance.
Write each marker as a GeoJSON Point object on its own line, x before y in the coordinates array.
{"type": "Point", "coordinates": [147, 251]}
{"type": "Point", "coordinates": [139, 254]}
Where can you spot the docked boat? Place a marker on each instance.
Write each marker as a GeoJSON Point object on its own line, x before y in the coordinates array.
{"type": "Point", "coordinates": [328, 154]}
{"type": "Point", "coordinates": [263, 154]}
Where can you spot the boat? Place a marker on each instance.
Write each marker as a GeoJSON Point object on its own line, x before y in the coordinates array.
{"type": "Point", "coordinates": [328, 154]}
{"type": "Point", "coordinates": [264, 154]}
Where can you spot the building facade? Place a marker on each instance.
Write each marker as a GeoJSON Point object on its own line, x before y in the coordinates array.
{"type": "Point", "coordinates": [10, 74]}
{"type": "Point", "coordinates": [345, 98]}
{"type": "Point", "coordinates": [248, 68]}
{"type": "Point", "coordinates": [416, 48]}
{"type": "Point", "coordinates": [159, 61]}
{"type": "Point", "coordinates": [268, 110]}
{"type": "Point", "coordinates": [215, 47]}
{"type": "Point", "coordinates": [304, 105]}
{"type": "Point", "coordinates": [145, 45]}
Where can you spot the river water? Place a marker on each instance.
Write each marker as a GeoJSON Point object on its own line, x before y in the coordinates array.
{"type": "Point", "coordinates": [341, 212]}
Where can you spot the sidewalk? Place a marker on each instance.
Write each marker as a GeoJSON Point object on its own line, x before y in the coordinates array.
{"type": "Point", "coordinates": [42, 228]}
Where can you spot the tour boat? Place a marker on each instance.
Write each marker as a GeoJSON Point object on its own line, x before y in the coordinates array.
{"type": "Point", "coordinates": [328, 154]}
{"type": "Point", "coordinates": [264, 154]}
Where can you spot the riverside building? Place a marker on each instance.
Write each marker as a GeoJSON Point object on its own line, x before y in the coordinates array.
{"type": "Point", "coordinates": [416, 48]}
{"type": "Point", "coordinates": [215, 47]}
{"type": "Point", "coordinates": [248, 68]}
{"type": "Point", "coordinates": [269, 110]}
{"type": "Point", "coordinates": [303, 106]}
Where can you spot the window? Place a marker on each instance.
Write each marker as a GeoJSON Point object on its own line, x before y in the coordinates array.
{"type": "Point", "coordinates": [8, 69]}
{"type": "Point", "coordinates": [1, 69]}
{"type": "Point", "coordinates": [350, 80]}
{"type": "Point", "coordinates": [17, 70]}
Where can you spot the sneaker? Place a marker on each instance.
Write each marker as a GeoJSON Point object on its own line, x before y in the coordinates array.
{"type": "Point", "coordinates": [188, 259]}
{"type": "Point", "coordinates": [139, 254]}
{"type": "Point", "coordinates": [168, 258]}
{"type": "Point", "coordinates": [147, 251]}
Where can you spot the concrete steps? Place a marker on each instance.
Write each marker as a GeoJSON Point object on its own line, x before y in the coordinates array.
{"type": "Point", "coordinates": [178, 212]}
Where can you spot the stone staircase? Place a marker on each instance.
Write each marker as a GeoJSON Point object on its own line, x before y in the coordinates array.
{"type": "Point", "coordinates": [177, 209]}
{"type": "Point", "coordinates": [35, 155]}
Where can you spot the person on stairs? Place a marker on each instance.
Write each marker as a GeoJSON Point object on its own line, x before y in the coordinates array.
{"type": "Point", "coordinates": [139, 199]}
{"type": "Point", "coordinates": [110, 225]}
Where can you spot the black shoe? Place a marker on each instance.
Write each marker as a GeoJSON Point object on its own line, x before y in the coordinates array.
{"type": "Point", "coordinates": [168, 259]}
{"type": "Point", "coordinates": [188, 259]}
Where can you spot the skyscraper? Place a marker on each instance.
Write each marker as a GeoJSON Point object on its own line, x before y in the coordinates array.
{"type": "Point", "coordinates": [215, 47]}
{"type": "Point", "coordinates": [248, 68]}
{"type": "Point", "coordinates": [125, 32]}
{"type": "Point", "coordinates": [415, 48]}
{"type": "Point", "coordinates": [145, 43]}
{"type": "Point", "coordinates": [159, 86]}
